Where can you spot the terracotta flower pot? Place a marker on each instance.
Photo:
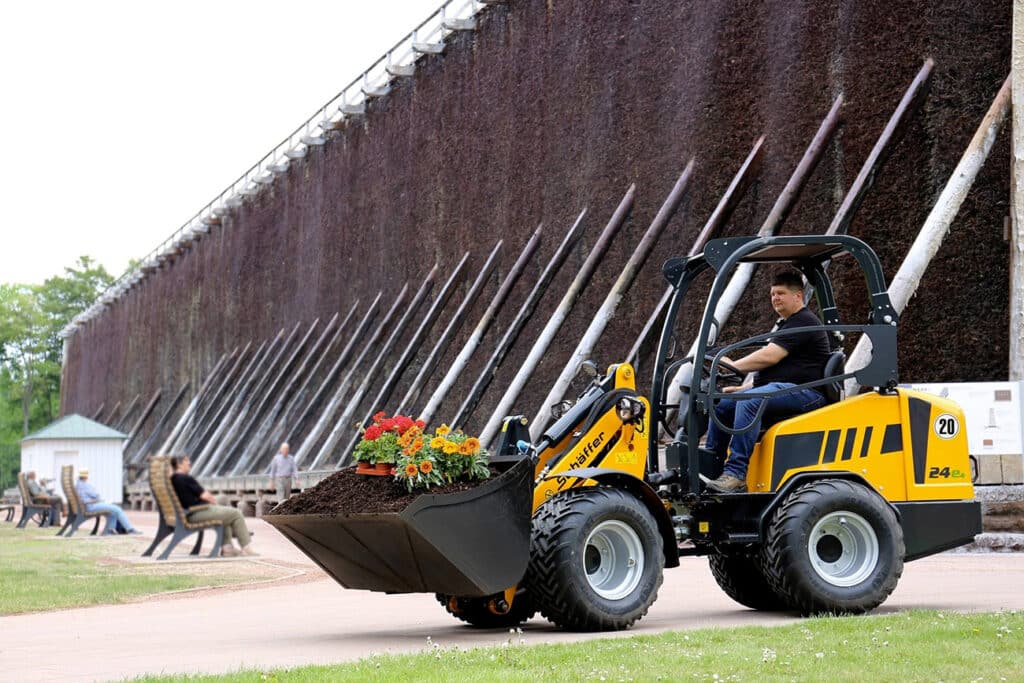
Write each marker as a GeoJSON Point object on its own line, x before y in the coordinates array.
{"type": "Point", "coordinates": [365, 467]}
{"type": "Point", "coordinates": [384, 467]}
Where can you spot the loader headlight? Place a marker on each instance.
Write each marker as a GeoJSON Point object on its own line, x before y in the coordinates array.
{"type": "Point", "coordinates": [629, 409]}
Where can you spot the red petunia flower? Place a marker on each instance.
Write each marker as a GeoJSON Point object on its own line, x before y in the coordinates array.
{"type": "Point", "coordinates": [372, 433]}
{"type": "Point", "coordinates": [379, 416]}
{"type": "Point", "coordinates": [388, 425]}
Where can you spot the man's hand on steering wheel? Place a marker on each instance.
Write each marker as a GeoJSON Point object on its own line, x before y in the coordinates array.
{"type": "Point", "coordinates": [728, 375]}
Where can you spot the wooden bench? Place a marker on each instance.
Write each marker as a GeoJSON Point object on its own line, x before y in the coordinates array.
{"type": "Point", "coordinates": [77, 514]}
{"type": "Point", "coordinates": [9, 509]}
{"type": "Point", "coordinates": [30, 509]}
{"type": "Point", "coordinates": [173, 520]}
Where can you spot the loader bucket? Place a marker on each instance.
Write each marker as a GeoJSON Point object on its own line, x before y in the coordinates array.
{"type": "Point", "coordinates": [471, 543]}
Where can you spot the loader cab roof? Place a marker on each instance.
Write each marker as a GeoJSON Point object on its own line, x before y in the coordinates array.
{"type": "Point", "coordinates": [806, 252]}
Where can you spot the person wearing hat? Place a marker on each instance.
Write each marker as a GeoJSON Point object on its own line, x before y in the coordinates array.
{"type": "Point", "coordinates": [40, 495]}
{"type": "Point", "coordinates": [93, 502]}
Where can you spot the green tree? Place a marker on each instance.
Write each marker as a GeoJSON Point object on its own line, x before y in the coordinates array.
{"type": "Point", "coordinates": [31, 319]}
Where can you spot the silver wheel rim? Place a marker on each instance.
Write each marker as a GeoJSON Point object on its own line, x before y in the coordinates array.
{"type": "Point", "coordinates": [613, 559]}
{"type": "Point", "coordinates": [843, 548]}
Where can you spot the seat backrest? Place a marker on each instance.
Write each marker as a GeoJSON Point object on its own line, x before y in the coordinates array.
{"type": "Point", "coordinates": [67, 482]}
{"type": "Point", "coordinates": [163, 491]}
{"type": "Point", "coordinates": [833, 391]}
{"type": "Point", "coordinates": [26, 497]}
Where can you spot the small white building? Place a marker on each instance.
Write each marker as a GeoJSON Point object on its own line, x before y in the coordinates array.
{"type": "Point", "coordinates": [80, 442]}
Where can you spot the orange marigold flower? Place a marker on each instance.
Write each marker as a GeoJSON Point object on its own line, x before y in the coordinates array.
{"type": "Point", "coordinates": [465, 449]}
{"type": "Point", "coordinates": [416, 447]}
{"type": "Point", "coordinates": [443, 430]}
{"type": "Point", "coordinates": [411, 470]}
{"type": "Point", "coordinates": [473, 444]}
{"type": "Point", "coordinates": [426, 467]}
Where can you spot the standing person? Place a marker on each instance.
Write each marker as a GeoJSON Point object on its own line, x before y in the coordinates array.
{"type": "Point", "coordinates": [191, 493]}
{"type": "Point", "coordinates": [282, 470]}
{"type": "Point", "coordinates": [40, 495]}
{"type": "Point", "coordinates": [787, 360]}
{"type": "Point", "coordinates": [93, 502]}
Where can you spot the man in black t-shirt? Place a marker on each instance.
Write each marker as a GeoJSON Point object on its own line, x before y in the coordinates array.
{"type": "Point", "coordinates": [193, 495]}
{"type": "Point", "coordinates": [787, 360]}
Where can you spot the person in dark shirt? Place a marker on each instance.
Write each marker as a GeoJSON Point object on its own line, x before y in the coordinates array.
{"type": "Point", "coordinates": [787, 360]}
{"type": "Point", "coordinates": [192, 494]}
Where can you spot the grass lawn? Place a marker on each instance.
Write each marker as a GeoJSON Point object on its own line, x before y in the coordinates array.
{"type": "Point", "coordinates": [39, 574]}
{"type": "Point", "coordinates": [915, 646]}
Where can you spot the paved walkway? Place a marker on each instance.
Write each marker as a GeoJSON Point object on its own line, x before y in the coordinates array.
{"type": "Point", "coordinates": [298, 622]}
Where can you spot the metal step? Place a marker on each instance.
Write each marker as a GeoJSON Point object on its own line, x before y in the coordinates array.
{"type": "Point", "coordinates": [468, 24]}
{"type": "Point", "coordinates": [400, 69]}
{"type": "Point", "coordinates": [428, 48]}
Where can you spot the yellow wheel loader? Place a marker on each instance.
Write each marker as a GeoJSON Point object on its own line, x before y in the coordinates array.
{"type": "Point", "coordinates": [583, 522]}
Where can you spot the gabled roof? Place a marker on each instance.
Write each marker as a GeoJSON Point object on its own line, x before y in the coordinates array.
{"type": "Point", "coordinates": [75, 427]}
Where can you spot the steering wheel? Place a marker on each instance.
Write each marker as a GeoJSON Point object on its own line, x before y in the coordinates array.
{"type": "Point", "coordinates": [728, 374]}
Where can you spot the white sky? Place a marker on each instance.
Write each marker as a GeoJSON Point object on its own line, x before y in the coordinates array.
{"type": "Point", "coordinates": [123, 119]}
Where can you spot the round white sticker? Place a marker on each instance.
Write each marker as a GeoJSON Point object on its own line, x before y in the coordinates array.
{"type": "Point", "coordinates": [946, 426]}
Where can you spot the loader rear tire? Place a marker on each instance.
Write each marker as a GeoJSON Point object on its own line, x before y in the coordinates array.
{"type": "Point", "coordinates": [596, 559]}
{"type": "Point", "coordinates": [477, 612]}
{"type": "Point", "coordinates": [742, 577]}
{"type": "Point", "coordinates": [834, 547]}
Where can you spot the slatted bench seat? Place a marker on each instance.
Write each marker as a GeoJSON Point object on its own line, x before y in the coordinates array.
{"type": "Point", "coordinates": [173, 520]}
{"type": "Point", "coordinates": [77, 513]}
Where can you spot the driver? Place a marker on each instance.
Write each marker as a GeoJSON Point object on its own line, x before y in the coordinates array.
{"type": "Point", "coordinates": [784, 362]}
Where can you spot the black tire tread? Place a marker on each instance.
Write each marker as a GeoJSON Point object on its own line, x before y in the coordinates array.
{"type": "Point", "coordinates": [780, 569]}
{"type": "Point", "coordinates": [552, 523]}
{"type": "Point", "coordinates": [741, 577]}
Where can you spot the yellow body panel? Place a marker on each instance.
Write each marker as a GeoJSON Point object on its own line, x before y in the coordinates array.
{"type": "Point", "coordinates": [909, 445]}
{"type": "Point", "coordinates": [608, 444]}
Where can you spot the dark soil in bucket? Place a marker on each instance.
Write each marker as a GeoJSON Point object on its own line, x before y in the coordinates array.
{"type": "Point", "coordinates": [346, 492]}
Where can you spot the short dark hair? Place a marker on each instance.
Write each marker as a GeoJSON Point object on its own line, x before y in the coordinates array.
{"type": "Point", "coordinates": [177, 459]}
{"type": "Point", "coordinates": [789, 278]}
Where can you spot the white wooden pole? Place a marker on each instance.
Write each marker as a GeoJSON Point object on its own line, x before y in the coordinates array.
{"type": "Point", "coordinates": [1016, 361]}
{"type": "Point", "coordinates": [586, 345]}
{"type": "Point", "coordinates": [935, 227]}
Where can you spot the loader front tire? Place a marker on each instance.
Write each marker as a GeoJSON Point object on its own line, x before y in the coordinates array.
{"type": "Point", "coordinates": [834, 547]}
{"type": "Point", "coordinates": [742, 577]}
{"type": "Point", "coordinates": [596, 560]}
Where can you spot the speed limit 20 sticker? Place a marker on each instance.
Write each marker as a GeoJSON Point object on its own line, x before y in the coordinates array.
{"type": "Point", "coordinates": [946, 426]}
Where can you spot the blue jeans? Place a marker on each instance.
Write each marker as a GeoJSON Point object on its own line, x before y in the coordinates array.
{"type": "Point", "coordinates": [741, 413]}
{"type": "Point", "coordinates": [115, 517]}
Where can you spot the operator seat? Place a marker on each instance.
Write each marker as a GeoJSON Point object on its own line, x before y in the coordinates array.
{"type": "Point", "coordinates": [833, 392]}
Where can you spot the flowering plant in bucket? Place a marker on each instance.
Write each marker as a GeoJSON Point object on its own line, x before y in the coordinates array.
{"type": "Point", "coordinates": [441, 457]}
{"type": "Point", "coordinates": [381, 440]}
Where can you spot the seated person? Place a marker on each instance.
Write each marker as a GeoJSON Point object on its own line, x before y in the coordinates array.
{"type": "Point", "coordinates": [41, 497]}
{"type": "Point", "coordinates": [784, 362]}
{"type": "Point", "coordinates": [93, 502]}
{"type": "Point", "coordinates": [191, 493]}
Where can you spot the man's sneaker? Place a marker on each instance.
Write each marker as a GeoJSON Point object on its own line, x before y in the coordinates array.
{"type": "Point", "coordinates": [228, 551]}
{"type": "Point", "coordinates": [247, 550]}
{"type": "Point", "coordinates": [135, 532]}
{"type": "Point", "coordinates": [727, 484]}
